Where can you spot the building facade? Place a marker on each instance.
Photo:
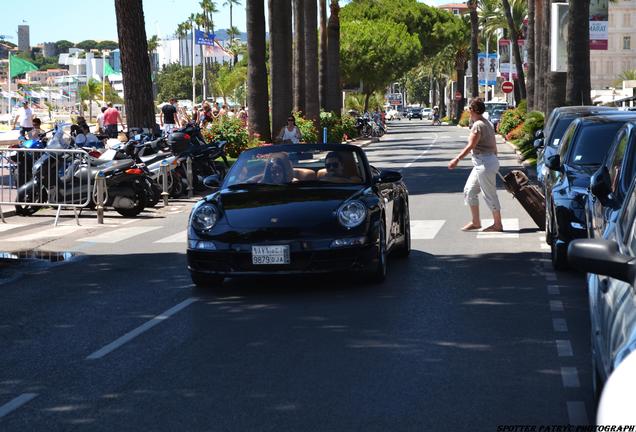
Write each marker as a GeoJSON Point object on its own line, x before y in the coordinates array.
{"type": "Point", "coordinates": [24, 41]}
{"type": "Point", "coordinates": [607, 65]}
{"type": "Point", "coordinates": [455, 8]}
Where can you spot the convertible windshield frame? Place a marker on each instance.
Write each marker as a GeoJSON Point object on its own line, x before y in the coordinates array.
{"type": "Point", "coordinates": [240, 173]}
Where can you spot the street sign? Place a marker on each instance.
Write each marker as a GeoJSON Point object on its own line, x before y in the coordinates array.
{"type": "Point", "coordinates": [507, 87]}
{"type": "Point", "coordinates": [203, 38]}
{"type": "Point", "coordinates": [458, 96]}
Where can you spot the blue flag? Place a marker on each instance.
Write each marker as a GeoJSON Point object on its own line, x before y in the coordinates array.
{"type": "Point", "coordinates": [204, 38]}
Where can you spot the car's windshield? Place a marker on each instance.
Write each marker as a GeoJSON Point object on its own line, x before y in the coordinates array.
{"type": "Point", "coordinates": [492, 107]}
{"type": "Point", "coordinates": [305, 164]}
{"type": "Point", "coordinates": [593, 142]}
{"type": "Point", "coordinates": [558, 130]}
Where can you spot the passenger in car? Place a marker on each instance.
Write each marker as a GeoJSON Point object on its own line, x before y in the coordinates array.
{"type": "Point", "coordinates": [278, 170]}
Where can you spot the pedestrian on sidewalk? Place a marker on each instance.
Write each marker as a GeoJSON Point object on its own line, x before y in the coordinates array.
{"type": "Point", "coordinates": [100, 120]}
{"type": "Point", "coordinates": [169, 117]}
{"type": "Point", "coordinates": [25, 117]}
{"type": "Point", "coordinates": [482, 145]}
{"type": "Point", "coordinates": [111, 117]}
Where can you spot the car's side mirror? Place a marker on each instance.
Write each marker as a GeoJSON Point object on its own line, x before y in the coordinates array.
{"type": "Point", "coordinates": [212, 182]}
{"type": "Point", "coordinates": [539, 134]}
{"type": "Point", "coordinates": [538, 143]}
{"type": "Point", "coordinates": [600, 184]}
{"type": "Point", "coordinates": [554, 162]}
{"type": "Point", "coordinates": [388, 176]}
{"type": "Point", "coordinates": [601, 257]}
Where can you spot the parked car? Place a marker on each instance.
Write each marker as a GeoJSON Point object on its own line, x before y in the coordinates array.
{"type": "Point", "coordinates": [581, 152]}
{"type": "Point", "coordinates": [289, 209]}
{"type": "Point", "coordinates": [495, 117]}
{"type": "Point", "coordinates": [547, 143]}
{"type": "Point", "coordinates": [610, 183]}
{"type": "Point", "coordinates": [611, 266]}
{"type": "Point", "coordinates": [414, 113]}
{"type": "Point", "coordinates": [616, 406]}
{"type": "Point", "coordinates": [427, 113]}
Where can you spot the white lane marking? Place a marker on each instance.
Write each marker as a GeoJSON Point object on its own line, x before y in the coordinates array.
{"type": "Point", "coordinates": [559, 325]}
{"type": "Point", "coordinates": [570, 377]}
{"type": "Point", "coordinates": [556, 305]}
{"type": "Point", "coordinates": [38, 233]}
{"type": "Point", "coordinates": [430, 146]}
{"type": "Point", "coordinates": [139, 330]}
{"type": "Point", "coordinates": [554, 290]}
{"type": "Point", "coordinates": [577, 413]}
{"type": "Point", "coordinates": [544, 246]}
{"type": "Point", "coordinates": [510, 226]}
{"type": "Point", "coordinates": [425, 229]}
{"type": "Point", "coordinates": [182, 237]}
{"type": "Point", "coordinates": [16, 403]}
{"type": "Point", "coordinates": [7, 227]}
{"type": "Point", "coordinates": [564, 348]}
{"type": "Point", "coordinates": [118, 235]}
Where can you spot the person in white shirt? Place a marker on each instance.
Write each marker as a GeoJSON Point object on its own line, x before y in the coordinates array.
{"type": "Point", "coordinates": [100, 121]}
{"type": "Point", "coordinates": [25, 116]}
{"type": "Point", "coordinates": [289, 133]}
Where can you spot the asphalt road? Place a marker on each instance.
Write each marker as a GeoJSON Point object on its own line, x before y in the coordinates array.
{"type": "Point", "coordinates": [472, 331]}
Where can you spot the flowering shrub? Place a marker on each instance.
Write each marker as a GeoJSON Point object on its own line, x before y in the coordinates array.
{"type": "Point", "coordinates": [231, 130]}
{"type": "Point", "coordinates": [515, 133]}
{"type": "Point", "coordinates": [308, 131]}
{"type": "Point", "coordinates": [338, 127]}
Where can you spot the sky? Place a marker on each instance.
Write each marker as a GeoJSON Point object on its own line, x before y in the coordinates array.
{"type": "Point", "coordinates": [78, 20]}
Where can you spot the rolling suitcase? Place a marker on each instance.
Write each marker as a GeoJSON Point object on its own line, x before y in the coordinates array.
{"type": "Point", "coordinates": [528, 195]}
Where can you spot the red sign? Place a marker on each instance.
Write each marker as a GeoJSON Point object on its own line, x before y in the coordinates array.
{"type": "Point", "coordinates": [507, 86]}
{"type": "Point", "coordinates": [458, 96]}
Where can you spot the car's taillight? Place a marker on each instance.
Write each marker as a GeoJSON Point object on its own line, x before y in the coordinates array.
{"type": "Point", "coordinates": [135, 171]}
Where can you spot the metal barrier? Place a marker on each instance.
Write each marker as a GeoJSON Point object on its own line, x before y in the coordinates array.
{"type": "Point", "coordinates": [34, 178]}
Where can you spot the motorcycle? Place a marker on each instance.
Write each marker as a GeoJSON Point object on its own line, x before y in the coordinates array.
{"type": "Point", "coordinates": [59, 179]}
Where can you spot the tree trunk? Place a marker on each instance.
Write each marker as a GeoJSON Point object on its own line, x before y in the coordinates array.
{"type": "Point", "coordinates": [578, 85]}
{"type": "Point", "coordinates": [474, 49]}
{"type": "Point", "coordinates": [538, 60]}
{"type": "Point", "coordinates": [258, 111]}
{"type": "Point", "coordinates": [135, 65]}
{"type": "Point", "coordinates": [299, 55]}
{"type": "Point", "coordinates": [280, 62]}
{"type": "Point", "coordinates": [545, 53]}
{"type": "Point", "coordinates": [312, 97]}
{"type": "Point", "coordinates": [459, 105]}
{"type": "Point", "coordinates": [324, 61]}
{"type": "Point", "coordinates": [366, 102]}
{"type": "Point", "coordinates": [514, 36]}
{"type": "Point", "coordinates": [334, 97]}
{"type": "Point", "coordinates": [530, 42]}
{"type": "Point", "coordinates": [441, 83]}
{"type": "Point", "coordinates": [555, 90]}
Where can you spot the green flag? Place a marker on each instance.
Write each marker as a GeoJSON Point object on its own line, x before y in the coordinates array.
{"type": "Point", "coordinates": [19, 66]}
{"type": "Point", "coordinates": [108, 69]}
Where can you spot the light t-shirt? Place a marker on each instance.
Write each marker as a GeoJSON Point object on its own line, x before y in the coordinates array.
{"type": "Point", "coordinates": [487, 142]}
{"type": "Point", "coordinates": [25, 117]}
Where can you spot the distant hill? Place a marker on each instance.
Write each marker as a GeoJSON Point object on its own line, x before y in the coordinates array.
{"type": "Point", "coordinates": [222, 35]}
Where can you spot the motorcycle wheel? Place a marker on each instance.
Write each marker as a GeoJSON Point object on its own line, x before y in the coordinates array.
{"type": "Point", "coordinates": [177, 185]}
{"type": "Point", "coordinates": [140, 205]}
{"type": "Point", "coordinates": [39, 197]}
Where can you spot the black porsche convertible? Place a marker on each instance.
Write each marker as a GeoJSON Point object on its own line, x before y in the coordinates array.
{"type": "Point", "coordinates": [299, 209]}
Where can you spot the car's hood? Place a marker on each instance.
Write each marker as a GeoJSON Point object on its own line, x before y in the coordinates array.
{"type": "Point", "coordinates": [579, 176]}
{"type": "Point", "coordinates": [283, 207]}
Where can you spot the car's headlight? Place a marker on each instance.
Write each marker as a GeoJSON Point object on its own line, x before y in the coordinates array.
{"type": "Point", "coordinates": [205, 217]}
{"type": "Point", "coordinates": [352, 213]}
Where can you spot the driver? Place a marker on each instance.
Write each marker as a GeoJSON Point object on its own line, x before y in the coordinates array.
{"type": "Point", "coordinates": [335, 169]}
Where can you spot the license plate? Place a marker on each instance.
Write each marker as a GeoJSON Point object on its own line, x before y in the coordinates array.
{"type": "Point", "coordinates": [270, 255]}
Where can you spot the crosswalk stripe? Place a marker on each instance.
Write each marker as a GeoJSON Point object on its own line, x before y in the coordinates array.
{"type": "Point", "coordinates": [511, 229]}
{"type": "Point", "coordinates": [425, 229]}
{"type": "Point", "coordinates": [180, 237]}
{"type": "Point", "coordinates": [38, 233]}
{"type": "Point", "coordinates": [118, 235]}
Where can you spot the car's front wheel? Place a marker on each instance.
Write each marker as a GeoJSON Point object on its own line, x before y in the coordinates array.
{"type": "Point", "coordinates": [202, 280]}
{"type": "Point", "coordinates": [404, 249]}
{"type": "Point", "coordinates": [378, 273]}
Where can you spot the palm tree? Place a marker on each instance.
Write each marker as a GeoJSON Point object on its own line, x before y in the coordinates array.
{"type": "Point", "coordinates": [312, 97]}
{"type": "Point", "coordinates": [299, 55]}
{"type": "Point", "coordinates": [514, 29]}
{"type": "Point", "coordinates": [578, 87]}
{"type": "Point", "coordinates": [323, 65]}
{"type": "Point", "coordinates": [231, 3]}
{"type": "Point", "coordinates": [135, 65]}
{"type": "Point", "coordinates": [153, 44]}
{"type": "Point", "coordinates": [209, 8]}
{"type": "Point", "coordinates": [233, 33]}
{"type": "Point", "coordinates": [627, 75]}
{"type": "Point", "coordinates": [538, 59]}
{"type": "Point", "coordinates": [530, 46]}
{"type": "Point", "coordinates": [89, 92]}
{"type": "Point", "coordinates": [474, 43]}
{"type": "Point", "coordinates": [280, 62]}
{"type": "Point", "coordinates": [334, 99]}
{"type": "Point", "coordinates": [257, 70]}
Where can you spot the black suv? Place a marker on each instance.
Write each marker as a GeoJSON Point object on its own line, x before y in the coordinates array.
{"type": "Point", "coordinates": [555, 126]}
{"type": "Point", "coordinates": [414, 113]}
{"type": "Point", "coordinates": [581, 152]}
{"type": "Point", "coordinates": [610, 183]}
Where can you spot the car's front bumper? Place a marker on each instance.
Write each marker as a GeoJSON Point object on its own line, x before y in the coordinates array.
{"type": "Point", "coordinates": [236, 260]}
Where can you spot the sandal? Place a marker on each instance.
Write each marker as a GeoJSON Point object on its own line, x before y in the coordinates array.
{"type": "Point", "coordinates": [492, 228]}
